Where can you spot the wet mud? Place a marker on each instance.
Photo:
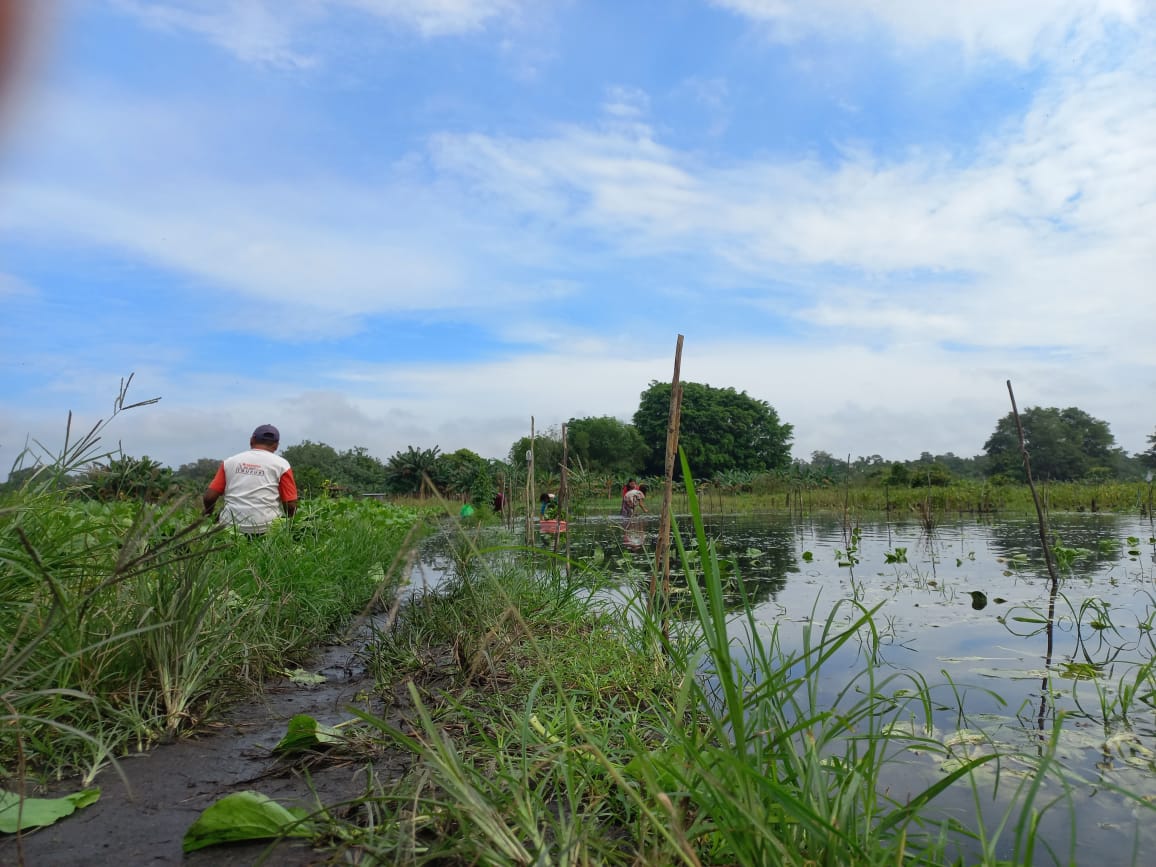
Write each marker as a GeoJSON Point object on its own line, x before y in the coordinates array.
{"type": "Point", "coordinates": [144, 822]}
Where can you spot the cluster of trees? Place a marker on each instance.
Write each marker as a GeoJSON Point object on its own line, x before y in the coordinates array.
{"type": "Point", "coordinates": [720, 430]}
{"type": "Point", "coordinates": [319, 469]}
{"type": "Point", "coordinates": [725, 433]}
{"type": "Point", "coordinates": [728, 435]}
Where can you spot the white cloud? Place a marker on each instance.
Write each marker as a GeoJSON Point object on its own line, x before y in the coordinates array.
{"type": "Point", "coordinates": [437, 17]}
{"type": "Point", "coordinates": [1040, 236]}
{"type": "Point", "coordinates": [13, 287]}
{"type": "Point", "coordinates": [895, 401]}
{"type": "Point", "coordinates": [254, 31]}
{"type": "Point", "coordinates": [979, 27]}
{"type": "Point", "coordinates": [273, 32]}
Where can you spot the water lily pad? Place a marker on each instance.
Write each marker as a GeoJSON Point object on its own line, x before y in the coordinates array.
{"type": "Point", "coordinates": [40, 812]}
{"type": "Point", "coordinates": [965, 737]}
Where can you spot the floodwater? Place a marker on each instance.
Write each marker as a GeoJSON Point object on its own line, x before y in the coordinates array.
{"type": "Point", "coordinates": [970, 607]}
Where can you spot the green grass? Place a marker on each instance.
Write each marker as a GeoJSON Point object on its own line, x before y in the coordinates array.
{"type": "Point", "coordinates": [124, 622]}
{"type": "Point", "coordinates": [963, 496]}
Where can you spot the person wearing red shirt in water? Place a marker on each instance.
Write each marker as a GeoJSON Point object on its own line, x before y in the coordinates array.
{"type": "Point", "coordinates": [257, 485]}
{"type": "Point", "coordinates": [632, 501]}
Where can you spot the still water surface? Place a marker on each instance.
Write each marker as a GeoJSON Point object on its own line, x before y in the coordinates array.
{"type": "Point", "coordinates": [970, 607]}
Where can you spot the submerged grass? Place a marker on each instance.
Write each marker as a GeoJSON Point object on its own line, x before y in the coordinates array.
{"type": "Point", "coordinates": [551, 726]}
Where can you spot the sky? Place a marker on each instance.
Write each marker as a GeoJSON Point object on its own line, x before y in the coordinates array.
{"type": "Point", "coordinates": [394, 223]}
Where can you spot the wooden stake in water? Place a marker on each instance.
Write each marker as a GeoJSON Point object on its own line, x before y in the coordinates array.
{"type": "Point", "coordinates": [662, 550]}
{"type": "Point", "coordinates": [563, 501]}
{"type": "Point", "coordinates": [530, 487]}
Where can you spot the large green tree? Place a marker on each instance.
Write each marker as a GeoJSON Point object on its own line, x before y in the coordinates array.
{"type": "Point", "coordinates": [318, 467]}
{"type": "Point", "coordinates": [314, 465]}
{"type": "Point", "coordinates": [1148, 458]}
{"type": "Point", "coordinates": [464, 473]}
{"type": "Point", "coordinates": [405, 472]}
{"type": "Point", "coordinates": [720, 429]}
{"type": "Point", "coordinates": [1063, 445]}
{"type": "Point", "coordinates": [196, 475]}
{"type": "Point", "coordinates": [547, 452]}
{"type": "Point", "coordinates": [606, 445]}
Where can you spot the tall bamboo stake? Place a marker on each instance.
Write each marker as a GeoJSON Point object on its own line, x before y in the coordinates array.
{"type": "Point", "coordinates": [1040, 516]}
{"type": "Point", "coordinates": [662, 550]}
{"type": "Point", "coordinates": [530, 487]}
{"type": "Point", "coordinates": [563, 500]}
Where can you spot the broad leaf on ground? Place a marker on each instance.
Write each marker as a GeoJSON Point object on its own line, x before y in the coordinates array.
{"type": "Point", "coordinates": [245, 816]}
{"type": "Point", "coordinates": [40, 812]}
{"type": "Point", "coordinates": [306, 733]}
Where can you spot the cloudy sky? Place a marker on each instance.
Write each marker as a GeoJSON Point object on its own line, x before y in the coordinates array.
{"type": "Point", "coordinates": [421, 222]}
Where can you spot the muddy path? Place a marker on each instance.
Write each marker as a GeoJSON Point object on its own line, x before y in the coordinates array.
{"type": "Point", "coordinates": [169, 786]}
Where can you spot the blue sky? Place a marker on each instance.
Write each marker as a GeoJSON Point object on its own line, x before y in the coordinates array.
{"type": "Point", "coordinates": [421, 222]}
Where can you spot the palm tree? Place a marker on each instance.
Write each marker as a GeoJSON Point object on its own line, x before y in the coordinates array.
{"type": "Point", "coordinates": [406, 472]}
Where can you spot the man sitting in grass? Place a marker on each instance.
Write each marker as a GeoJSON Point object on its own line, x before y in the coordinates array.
{"type": "Point", "coordinates": [257, 485]}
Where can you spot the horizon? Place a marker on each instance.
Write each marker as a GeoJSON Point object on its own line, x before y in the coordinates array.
{"type": "Point", "coordinates": [387, 224]}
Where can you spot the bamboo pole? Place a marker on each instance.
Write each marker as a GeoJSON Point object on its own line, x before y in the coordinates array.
{"type": "Point", "coordinates": [1040, 514]}
{"type": "Point", "coordinates": [563, 500]}
{"type": "Point", "coordinates": [530, 487]}
{"type": "Point", "coordinates": [662, 551]}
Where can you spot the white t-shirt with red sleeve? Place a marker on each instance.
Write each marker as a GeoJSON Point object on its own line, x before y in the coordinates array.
{"type": "Point", "coordinates": [254, 484]}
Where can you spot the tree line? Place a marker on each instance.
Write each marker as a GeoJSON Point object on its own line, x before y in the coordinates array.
{"type": "Point", "coordinates": [728, 436]}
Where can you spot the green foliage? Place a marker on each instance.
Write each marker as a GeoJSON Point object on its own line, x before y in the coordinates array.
{"type": "Point", "coordinates": [18, 478]}
{"type": "Point", "coordinates": [320, 469]}
{"type": "Point", "coordinates": [124, 620]}
{"type": "Point", "coordinates": [464, 474]}
{"type": "Point", "coordinates": [313, 464]}
{"type": "Point", "coordinates": [1148, 458]}
{"type": "Point", "coordinates": [547, 452]}
{"type": "Point", "coordinates": [1063, 445]}
{"type": "Point", "coordinates": [244, 816]}
{"type": "Point", "coordinates": [899, 475]}
{"type": "Point", "coordinates": [22, 814]}
{"type": "Point", "coordinates": [607, 445]}
{"type": "Point", "coordinates": [127, 478]}
{"type": "Point", "coordinates": [194, 477]}
{"type": "Point", "coordinates": [934, 475]}
{"type": "Point", "coordinates": [720, 429]}
{"type": "Point", "coordinates": [406, 472]}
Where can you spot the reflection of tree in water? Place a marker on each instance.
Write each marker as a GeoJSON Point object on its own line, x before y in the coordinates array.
{"type": "Point", "coordinates": [1011, 538]}
{"type": "Point", "coordinates": [755, 554]}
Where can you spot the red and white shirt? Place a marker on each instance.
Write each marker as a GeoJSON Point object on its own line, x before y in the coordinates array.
{"type": "Point", "coordinates": [254, 484]}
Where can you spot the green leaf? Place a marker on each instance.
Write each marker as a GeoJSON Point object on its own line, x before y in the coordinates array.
{"type": "Point", "coordinates": [300, 675]}
{"type": "Point", "coordinates": [306, 733]}
{"type": "Point", "coordinates": [40, 812]}
{"type": "Point", "coordinates": [244, 816]}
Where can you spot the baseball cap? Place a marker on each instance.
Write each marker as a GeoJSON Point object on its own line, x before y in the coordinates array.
{"type": "Point", "coordinates": [266, 433]}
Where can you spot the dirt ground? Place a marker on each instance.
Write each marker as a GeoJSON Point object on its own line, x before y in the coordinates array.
{"type": "Point", "coordinates": [170, 785]}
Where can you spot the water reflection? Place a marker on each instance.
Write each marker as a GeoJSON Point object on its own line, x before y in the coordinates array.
{"type": "Point", "coordinates": [972, 608]}
{"type": "Point", "coordinates": [754, 557]}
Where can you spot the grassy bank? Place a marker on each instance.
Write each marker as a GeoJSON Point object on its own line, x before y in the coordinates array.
{"type": "Point", "coordinates": [960, 497]}
{"type": "Point", "coordinates": [128, 622]}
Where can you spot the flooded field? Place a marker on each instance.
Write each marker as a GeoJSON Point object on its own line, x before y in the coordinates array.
{"type": "Point", "coordinates": [1013, 661]}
